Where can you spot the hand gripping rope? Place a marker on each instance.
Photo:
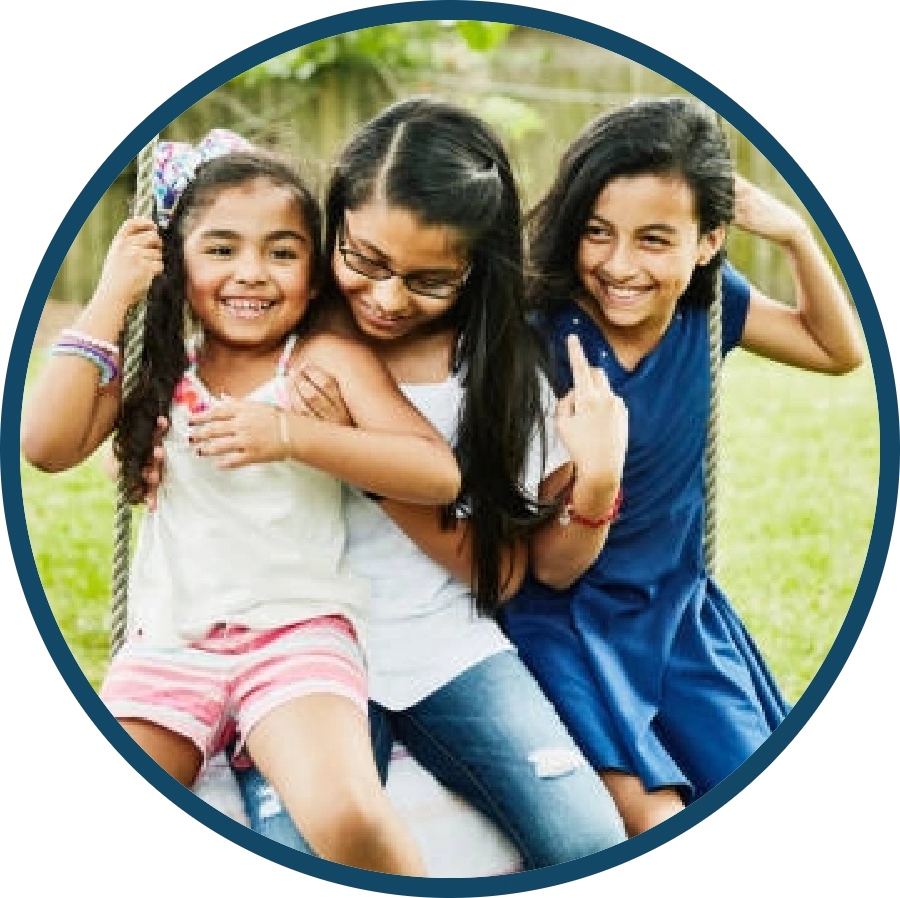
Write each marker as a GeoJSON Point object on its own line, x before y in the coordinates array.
{"type": "Point", "coordinates": [132, 352]}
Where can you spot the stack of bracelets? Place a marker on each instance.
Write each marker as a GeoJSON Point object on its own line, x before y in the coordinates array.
{"type": "Point", "coordinates": [98, 352]}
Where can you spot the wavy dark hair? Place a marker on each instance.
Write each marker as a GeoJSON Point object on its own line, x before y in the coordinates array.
{"type": "Point", "coordinates": [444, 166]}
{"type": "Point", "coordinates": [164, 359]}
{"type": "Point", "coordinates": [671, 136]}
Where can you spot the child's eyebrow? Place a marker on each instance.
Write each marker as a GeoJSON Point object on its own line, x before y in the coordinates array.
{"type": "Point", "coordinates": [286, 234]}
{"type": "Point", "coordinates": [654, 226]}
{"type": "Point", "coordinates": [359, 241]}
{"type": "Point", "coordinates": [226, 234]}
{"type": "Point", "coordinates": [668, 229]}
{"type": "Point", "coordinates": [447, 270]}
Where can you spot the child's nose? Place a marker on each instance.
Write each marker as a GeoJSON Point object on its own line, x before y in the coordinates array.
{"type": "Point", "coordinates": [390, 295]}
{"type": "Point", "coordinates": [249, 268]}
{"type": "Point", "coordinates": [620, 263]}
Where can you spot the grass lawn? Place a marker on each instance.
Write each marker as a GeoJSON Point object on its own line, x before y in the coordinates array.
{"type": "Point", "coordinates": [798, 486]}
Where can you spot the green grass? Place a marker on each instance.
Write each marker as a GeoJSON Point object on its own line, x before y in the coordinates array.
{"type": "Point", "coordinates": [799, 476]}
{"type": "Point", "coordinates": [799, 483]}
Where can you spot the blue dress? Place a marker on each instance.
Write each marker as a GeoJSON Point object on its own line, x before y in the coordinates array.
{"type": "Point", "coordinates": [645, 659]}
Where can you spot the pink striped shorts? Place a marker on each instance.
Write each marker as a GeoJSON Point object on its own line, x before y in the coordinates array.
{"type": "Point", "coordinates": [234, 676]}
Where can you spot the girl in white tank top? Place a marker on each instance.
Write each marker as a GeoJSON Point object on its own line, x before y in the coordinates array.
{"type": "Point", "coordinates": [242, 607]}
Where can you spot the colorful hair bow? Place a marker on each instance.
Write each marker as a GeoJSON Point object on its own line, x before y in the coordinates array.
{"type": "Point", "coordinates": [176, 163]}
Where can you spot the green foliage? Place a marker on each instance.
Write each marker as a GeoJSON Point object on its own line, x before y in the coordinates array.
{"type": "Point", "coordinates": [514, 119]}
{"type": "Point", "coordinates": [384, 51]}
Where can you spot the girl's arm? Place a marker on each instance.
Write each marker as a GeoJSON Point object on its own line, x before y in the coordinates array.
{"type": "Point", "coordinates": [68, 414]}
{"type": "Point", "coordinates": [315, 393]}
{"type": "Point", "coordinates": [452, 549]}
{"type": "Point", "coordinates": [593, 425]}
{"type": "Point", "coordinates": [820, 332]}
{"type": "Point", "coordinates": [589, 416]}
{"type": "Point", "coordinates": [392, 451]}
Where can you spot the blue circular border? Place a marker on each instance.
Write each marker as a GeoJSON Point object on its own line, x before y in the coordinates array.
{"type": "Point", "coordinates": [547, 21]}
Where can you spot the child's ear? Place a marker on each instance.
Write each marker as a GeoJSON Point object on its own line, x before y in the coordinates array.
{"type": "Point", "coordinates": [709, 244]}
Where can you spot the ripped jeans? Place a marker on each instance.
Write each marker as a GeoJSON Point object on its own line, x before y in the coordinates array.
{"type": "Point", "coordinates": [491, 736]}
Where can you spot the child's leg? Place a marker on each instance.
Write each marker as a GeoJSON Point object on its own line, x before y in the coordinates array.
{"type": "Point", "coordinates": [316, 752]}
{"type": "Point", "coordinates": [640, 809]}
{"type": "Point", "coordinates": [168, 701]}
{"type": "Point", "coordinates": [492, 736]}
{"type": "Point", "coordinates": [176, 754]}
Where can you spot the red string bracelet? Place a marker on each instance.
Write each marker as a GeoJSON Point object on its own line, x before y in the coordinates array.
{"type": "Point", "coordinates": [569, 514]}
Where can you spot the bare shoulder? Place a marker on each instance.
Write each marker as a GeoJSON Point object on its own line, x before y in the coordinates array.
{"type": "Point", "coordinates": [339, 355]}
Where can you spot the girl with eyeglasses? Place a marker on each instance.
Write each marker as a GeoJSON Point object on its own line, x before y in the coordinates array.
{"type": "Point", "coordinates": [423, 233]}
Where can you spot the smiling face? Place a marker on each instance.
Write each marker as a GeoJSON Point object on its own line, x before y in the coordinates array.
{"type": "Point", "coordinates": [248, 265]}
{"type": "Point", "coordinates": [429, 256]}
{"type": "Point", "coordinates": [639, 249]}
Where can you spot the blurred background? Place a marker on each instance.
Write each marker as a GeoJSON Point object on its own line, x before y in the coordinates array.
{"type": "Point", "coordinates": [536, 88]}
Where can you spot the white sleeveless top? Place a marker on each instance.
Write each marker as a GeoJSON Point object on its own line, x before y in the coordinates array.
{"type": "Point", "coordinates": [423, 629]}
{"type": "Point", "coordinates": [262, 545]}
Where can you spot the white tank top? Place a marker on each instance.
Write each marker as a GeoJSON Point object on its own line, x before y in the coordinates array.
{"type": "Point", "coordinates": [261, 545]}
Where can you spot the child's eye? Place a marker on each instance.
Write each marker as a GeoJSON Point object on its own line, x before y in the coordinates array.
{"type": "Point", "coordinates": [596, 233]}
{"type": "Point", "coordinates": [655, 240]}
{"type": "Point", "coordinates": [218, 250]}
{"type": "Point", "coordinates": [284, 252]}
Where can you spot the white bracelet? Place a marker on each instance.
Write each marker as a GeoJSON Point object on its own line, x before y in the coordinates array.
{"type": "Point", "coordinates": [82, 337]}
{"type": "Point", "coordinates": [284, 431]}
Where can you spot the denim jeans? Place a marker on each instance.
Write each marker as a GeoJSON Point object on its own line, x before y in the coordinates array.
{"type": "Point", "coordinates": [491, 736]}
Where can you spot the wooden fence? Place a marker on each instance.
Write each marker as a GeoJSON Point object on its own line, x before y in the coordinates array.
{"type": "Point", "coordinates": [538, 91]}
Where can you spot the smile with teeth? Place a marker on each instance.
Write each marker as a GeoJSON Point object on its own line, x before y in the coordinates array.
{"type": "Point", "coordinates": [624, 295]}
{"type": "Point", "coordinates": [243, 307]}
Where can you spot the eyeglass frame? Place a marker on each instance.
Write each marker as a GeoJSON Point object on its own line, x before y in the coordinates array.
{"type": "Point", "coordinates": [388, 273]}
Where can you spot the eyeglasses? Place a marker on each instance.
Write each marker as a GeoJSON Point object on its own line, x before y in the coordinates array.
{"type": "Point", "coordinates": [418, 282]}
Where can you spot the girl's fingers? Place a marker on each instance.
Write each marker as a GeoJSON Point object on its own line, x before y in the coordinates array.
{"type": "Point", "coordinates": [323, 383]}
{"type": "Point", "coordinates": [297, 401]}
{"type": "Point", "coordinates": [223, 410]}
{"type": "Point", "coordinates": [219, 446]}
{"type": "Point", "coordinates": [136, 225]}
{"type": "Point", "coordinates": [581, 369]}
{"type": "Point", "coordinates": [565, 407]}
{"type": "Point", "coordinates": [600, 380]}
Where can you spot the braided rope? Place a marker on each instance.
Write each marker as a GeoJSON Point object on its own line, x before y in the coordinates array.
{"type": "Point", "coordinates": [711, 456]}
{"type": "Point", "coordinates": [132, 353]}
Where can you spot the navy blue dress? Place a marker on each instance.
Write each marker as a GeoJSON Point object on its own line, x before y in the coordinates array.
{"type": "Point", "coordinates": [645, 659]}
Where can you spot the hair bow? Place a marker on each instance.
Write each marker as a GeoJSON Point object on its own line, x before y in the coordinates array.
{"type": "Point", "coordinates": [176, 163]}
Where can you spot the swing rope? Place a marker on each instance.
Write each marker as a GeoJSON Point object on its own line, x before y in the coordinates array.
{"type": "Point", "coordinates": [711, 455]}
{"type": "Point", "coordinates": [132, 354]}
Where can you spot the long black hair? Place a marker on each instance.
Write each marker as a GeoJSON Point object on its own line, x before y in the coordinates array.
{"type": "Point", "coordinates": [444, 166]}
{"type": "Point", "coordinates": [164, 359]}
{"type": "Point", "coordinates": [671, 136]}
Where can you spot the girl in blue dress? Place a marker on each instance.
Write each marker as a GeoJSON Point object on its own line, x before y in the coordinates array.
{"type": "Point", "coordinates": [645, 659]}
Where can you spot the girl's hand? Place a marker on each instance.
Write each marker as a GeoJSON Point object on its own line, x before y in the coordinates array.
{"type": "Point", "coordinates": [133, 261]}
{"type": "Point", "coordinates": [316, 394]}
{"type": "Point", "coordinates": [592, 422]}
{"type": "Point", "coordinates": [762, 214]}
{"type": "Point", "coordinates": [238, 432]}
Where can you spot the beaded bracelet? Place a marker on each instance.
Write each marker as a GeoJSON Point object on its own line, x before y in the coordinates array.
{"type": "Point", "coordinates": [568, 513]}
{"type": "Point", "coordinates": [105, 361]}
{"type": "Point", "coordinates": [75, 336]}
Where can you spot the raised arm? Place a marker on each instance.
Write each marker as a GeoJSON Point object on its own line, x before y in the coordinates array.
{"type": "Point", "coordinates": [593, 424]}
{"type": "Point", "coordinates": [69, 414]}
{"type": "Point", "coordinates": [820, 332]}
